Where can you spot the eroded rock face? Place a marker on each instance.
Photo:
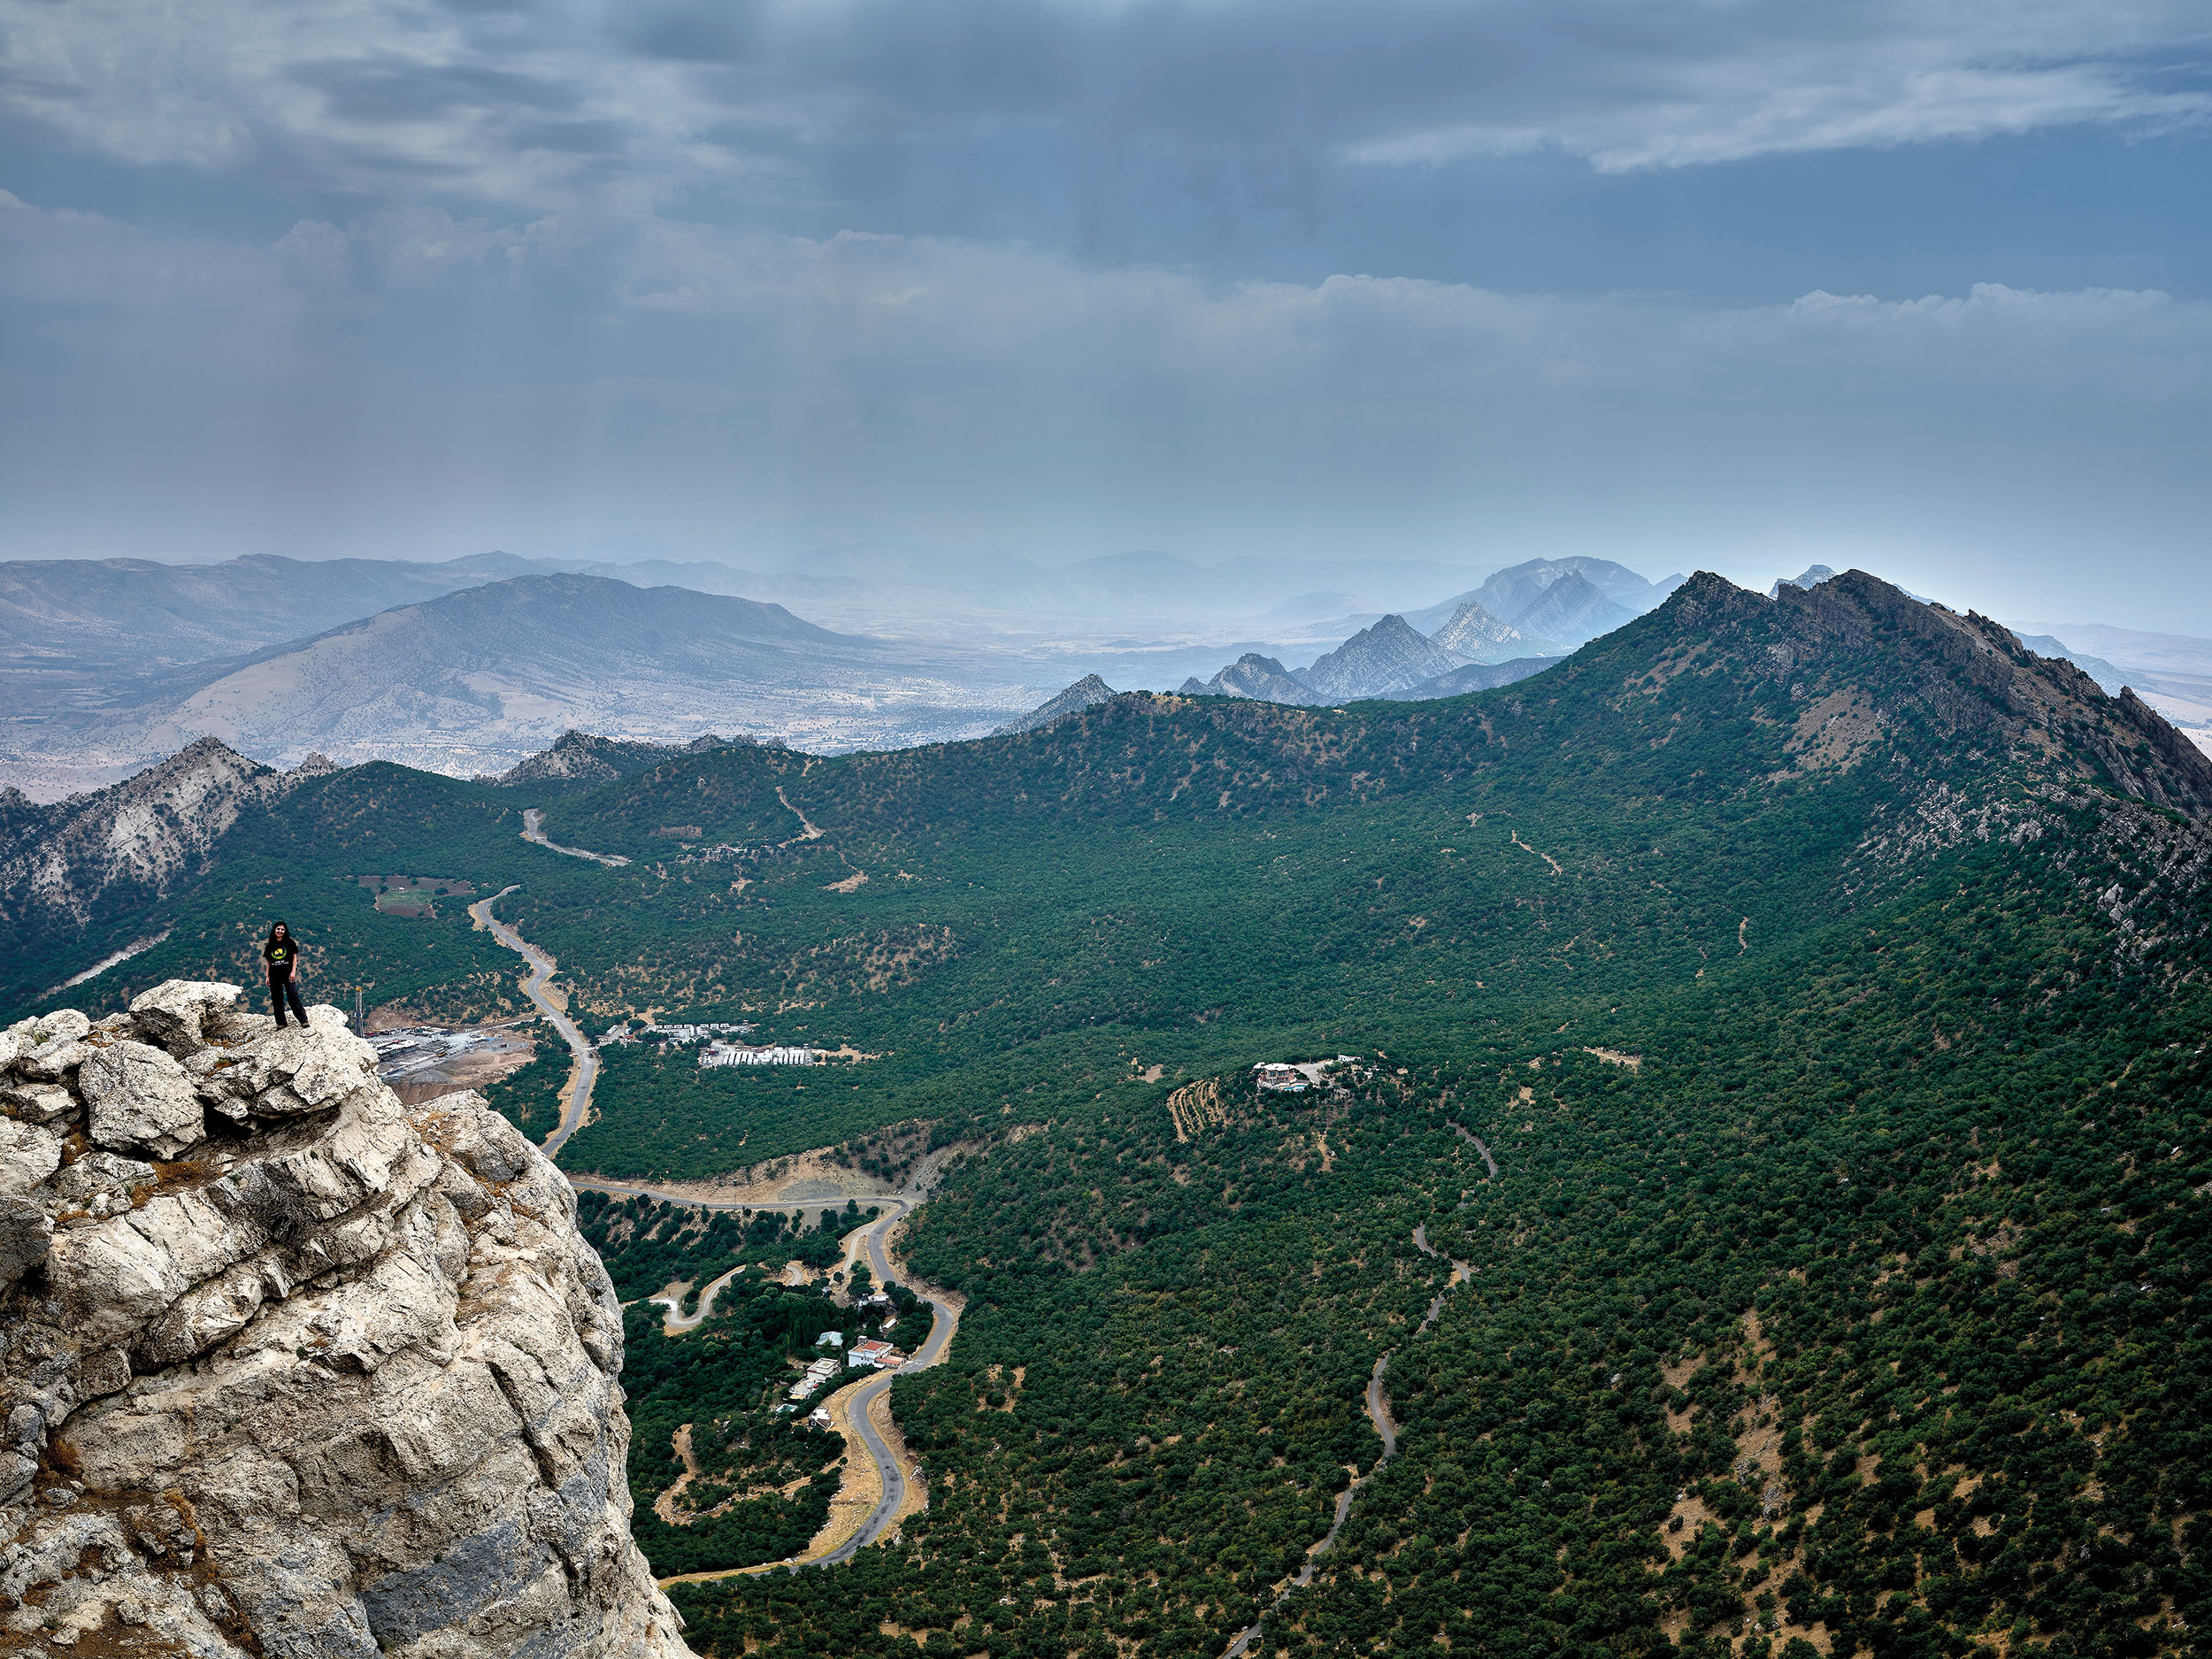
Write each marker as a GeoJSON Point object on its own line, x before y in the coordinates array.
{"type": "Point", "coordinates": [287, 1368]}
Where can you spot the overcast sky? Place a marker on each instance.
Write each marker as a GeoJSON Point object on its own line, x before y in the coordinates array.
{"type": "Point", "coordinates": [1743, 284]}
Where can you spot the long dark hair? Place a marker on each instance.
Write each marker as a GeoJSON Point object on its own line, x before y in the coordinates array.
{"type": "Point", "coordinates": [272, 931]}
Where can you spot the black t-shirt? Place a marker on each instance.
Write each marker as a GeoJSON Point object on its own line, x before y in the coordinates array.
{"type": "Point", "coordinates": [279, 953]}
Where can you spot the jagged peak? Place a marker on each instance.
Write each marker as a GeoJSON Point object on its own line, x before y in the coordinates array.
{"type": "Point", "coordinates": [1086, 693]}
{"type": "Point", "coordinates": [585, 757]}
{"type": "Point", "coordinates": [202, 750]}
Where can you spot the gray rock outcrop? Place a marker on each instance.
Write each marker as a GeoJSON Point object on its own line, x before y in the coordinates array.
{"type": "Point", "coordinates": [1087, 692]}
{"type": "Point", "coordinates": [289, 1369]}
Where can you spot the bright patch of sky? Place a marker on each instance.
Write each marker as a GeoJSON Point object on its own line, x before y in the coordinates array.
{"type": "Point", "coordinates": [1748, 285]}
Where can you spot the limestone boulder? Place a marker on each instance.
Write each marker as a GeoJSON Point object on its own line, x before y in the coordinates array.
{"type": "Point", "coordinates": [29, 1154]}
{"type": "Point", "coordinates": [299, 1070]}
{"type": "Point", "coordinates": [51, 1062]}
{"type": "Point", "coordinates": [140, 1100]}
{"type": "Point", "coordinates": [66, 1025]}
{"type": "Point", "coordinates": [25, 1230]}
{"type": "Point", "coordinates": [44, 1050]}
{"type": "Point", "coordinates": [361, 1352]}
{"type": "Point", "coordinates": [38, 1102]}
{"type": "Point", "coordinates": [178, 1014]}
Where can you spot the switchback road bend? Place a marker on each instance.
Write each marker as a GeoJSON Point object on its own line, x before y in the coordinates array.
{"type": "Point", "coordinates": [533, 830]}
{"type": "Point", "coordinates": [894, 1477]}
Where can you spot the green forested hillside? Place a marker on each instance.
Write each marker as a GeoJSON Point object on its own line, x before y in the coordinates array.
{"type": "Point", "coordinates": [1882, 1272]}
{"type": "Point", "coordinates": [1827, 976]}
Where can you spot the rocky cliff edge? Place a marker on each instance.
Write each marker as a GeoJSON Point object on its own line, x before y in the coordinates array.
{"type": "Point", "coordinates": [289, 1369]}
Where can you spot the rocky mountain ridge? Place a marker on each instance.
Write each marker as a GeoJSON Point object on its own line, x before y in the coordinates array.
{"type": "Point", "coordinates": [1955, 675]}
{"type": "Point", "coordinates": [1512, 593]}
{"type": "Point", "coordinates": [1573, 610]}
{"type": "Point", "coordinates": [1252, 675]}
{"type": "Point", "coordinates": [1389, 657]}
{"type": "Point", "coordinates": [1520, 620]}
{"type": "Point", "coordinates": [289, 1369]}
{"type": "Point", "coordinates": [141, 837]}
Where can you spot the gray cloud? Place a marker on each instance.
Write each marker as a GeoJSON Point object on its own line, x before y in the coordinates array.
{"type": "Point", "coordinates": [396, 89]}
{"type": "Point", "coordinates": [1247, 98]}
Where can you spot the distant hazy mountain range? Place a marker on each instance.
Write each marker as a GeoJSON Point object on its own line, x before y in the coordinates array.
{"type": "Point", "coordinates": [1511, 595]}
{"type": "Point", "coordinates": [471, 681]}
{"type": "Point", "coordinates": [1518, 622]}
{"type": "Point", "coordinates": [144, 614]}
{"type": "Point", "coordinates": [113, 609]}
{"type": "Point", "coordinates": [1473, 635]}
{"type": "Point", "coordinates": [471, 665]}
{"type": "Point", "coordinates": [107, 664]}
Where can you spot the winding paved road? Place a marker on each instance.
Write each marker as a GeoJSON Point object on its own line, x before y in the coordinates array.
{"type": "Point", "coordinates": [678, 1322]}
{"type": "Point", "coordinates": [944, 1320]}
{"type": "Point", "coordinates": [893, 1477]}
{"type": "Point", "coordinates": [586, 1070]}
{"type": "Point", "coordinates": [944, 1317]}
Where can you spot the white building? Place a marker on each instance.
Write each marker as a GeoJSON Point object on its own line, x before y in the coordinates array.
{"type": "Point", "coordinates": [696, 1034]}
{"type": "Point", "coordinates": [718, 1053]}
{"type": "Point", "coordinates": [817, 1374]}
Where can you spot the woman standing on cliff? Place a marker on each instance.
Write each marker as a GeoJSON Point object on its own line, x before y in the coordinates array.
{"type": "Point", "coordinates": [281, 953]}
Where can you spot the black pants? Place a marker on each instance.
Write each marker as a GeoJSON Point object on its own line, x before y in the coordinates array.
{"type": "Point", "coordinates": [280, 991]}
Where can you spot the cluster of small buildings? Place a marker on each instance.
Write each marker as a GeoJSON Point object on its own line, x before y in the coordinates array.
{"type": "Point", "coordinates": [866, 1353]}
{"type": "Point", "coordinates": [871, 1354]}
{"type": "Point", "coordinates": [1292, 1080]}
{"type": "Point", "coordinates": [719, 1053]}
{"type": "Point", "coordinates": [879, 1302]}
{"type": "Point", "coordinates": [695, 1033]}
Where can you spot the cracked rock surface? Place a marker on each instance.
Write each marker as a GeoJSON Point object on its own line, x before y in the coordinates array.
{"type": "Point", "coordinates": [289, 1369]}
